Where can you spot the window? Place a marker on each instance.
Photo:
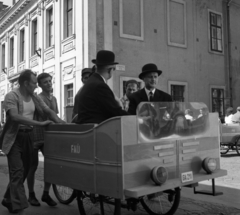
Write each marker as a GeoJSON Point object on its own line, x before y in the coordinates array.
{"type": "Point", "coordinates": [3, 56]}
{"type": "Point", "coordinates": [69, 94]}
{"type": "Point", "coordinates": [12, 52]}
{"type": "Point", "coordinates": [34, 36]}
{"type": "Point", "coordinates": [22, 41]}
{"type": "Point", "coordinates": [216, 32]}
{"type": "Point", "coordinates": [218, 101]}
{"type": "Point", "coordinates": [49, 27]}
{"type": "Point", "coordinates": [131, 19]}
{"type": "Point", "coordinates": [177, 23]}
{"type": "Point", "coordinates": [177, 92]}
{"type": "Point", "coordinates": [68, 18]}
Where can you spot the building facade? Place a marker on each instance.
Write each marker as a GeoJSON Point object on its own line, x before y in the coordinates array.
{"type": "Point", "coordinates": [194, 42]}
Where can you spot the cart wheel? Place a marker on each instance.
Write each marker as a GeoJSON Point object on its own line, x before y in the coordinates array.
{"type": "Point", "coordinates": [224, 148]}
{"type": "Point", "coordinates": [164, 203]}
{"type": "Point", "coordinates": [90, 204]}
{"type": "Point", "coordinates": [65, 195]}
{"type": "Point", "coordinates": [238, 146]}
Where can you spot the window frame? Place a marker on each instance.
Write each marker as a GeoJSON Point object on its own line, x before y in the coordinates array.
{"type": "Point", "coordinates": [210, 27]}
{"type": "Point", "coordinates": [49, 27]}
{"type": "Point", "coordinates": [66, 20]}
{"type": "Point", "coordinates": [3, 63]}
{"type": "Point", "coordinates": [179, 83]}
{"type": "Point", "coordinates": [129, 36]}
{"type": "Point", "coordinates": [170, 43]}
{"type": "Point", "coordinates": [223, 99]}
{"type": "Point", "coordinates": [11, 52]}
{"type": "Point", "coordinates": [67, 90]}
{"type": "Point", "coordinates": [22, 45]}
{"type": "Point", "coordinates": [34, 36]}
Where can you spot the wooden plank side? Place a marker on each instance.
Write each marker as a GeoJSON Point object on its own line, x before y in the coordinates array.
{"type": "Point", "coordinates": [109, 181]}
{"type": "Point", "coordinates": [108, 169]}
{"type": "Point", "coordinates": [76, 175]}
{"type": "Point", "coordinates": [70, 145]}
{"type": "Point", "coordinates": [108, 141]}
{"type": "Point", "coordinates": [129, 130]}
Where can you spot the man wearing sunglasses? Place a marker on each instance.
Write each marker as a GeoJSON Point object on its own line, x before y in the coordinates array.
{"type": "Point", "coordinates": [97, 102]}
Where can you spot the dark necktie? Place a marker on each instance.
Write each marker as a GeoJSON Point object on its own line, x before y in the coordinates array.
{"type": "Point", "coordinates": [150, 96]}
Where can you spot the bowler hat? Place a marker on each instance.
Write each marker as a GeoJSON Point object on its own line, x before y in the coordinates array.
{"type": "Point", "coordinates": [86, 70]}
{"type": "Point", "coordinates": [150, 67]}
{"type": "Point", "coordinates": [105, 57]}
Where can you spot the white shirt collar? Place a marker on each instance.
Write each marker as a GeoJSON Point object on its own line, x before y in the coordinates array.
{"type": "Point", "coordinates": [103, 78]}
{"type": "Point", "coordinates": [148, 91]}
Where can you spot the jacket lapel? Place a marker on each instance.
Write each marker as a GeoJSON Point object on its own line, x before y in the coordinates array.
{"type": "Point", "coordinates": [156, 96]}
{"type": "Point", "coordinates": [143, 95]}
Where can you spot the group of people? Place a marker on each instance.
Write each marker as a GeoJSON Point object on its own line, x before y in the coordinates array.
{"type": "Point", "coordinates": [230, 117]}
{"type": "Point", "coordinates": [22, 137]}
{"type": "Point", "coordinates": [97, 102]}
{"type": "Point", "coordinates": [27, 114]}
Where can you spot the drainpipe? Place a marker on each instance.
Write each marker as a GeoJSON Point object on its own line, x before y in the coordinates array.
{"type": "Point", "coordinates": [229, 53]}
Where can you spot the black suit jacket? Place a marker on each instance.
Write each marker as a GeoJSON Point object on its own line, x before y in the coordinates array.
{"type": "Point", "coordinates": [141, 96]}
{"type": "Point", "coordinates": [97, 102]}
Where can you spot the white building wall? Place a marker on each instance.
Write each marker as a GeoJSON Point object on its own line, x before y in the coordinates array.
{"type": "Point", "coordinates": [64, 60]}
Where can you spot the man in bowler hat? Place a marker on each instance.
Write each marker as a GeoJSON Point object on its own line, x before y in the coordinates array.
{"type": "Point", "coordinates": [97, 102]}
{"type": "Point", "coordinates": [149, 126]}
{"type": "Point", "coordinates": [149, 75]}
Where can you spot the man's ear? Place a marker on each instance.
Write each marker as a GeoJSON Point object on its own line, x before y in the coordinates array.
{"type": "Point", "coordinates": [25, 83]}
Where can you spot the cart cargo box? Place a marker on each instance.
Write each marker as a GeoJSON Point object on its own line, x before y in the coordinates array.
{"type": "Point", "coordinates": [133, 156]}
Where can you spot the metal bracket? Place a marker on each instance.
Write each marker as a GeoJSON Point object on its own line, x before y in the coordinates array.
{"type": "Point", "coordinates": [207, 192]}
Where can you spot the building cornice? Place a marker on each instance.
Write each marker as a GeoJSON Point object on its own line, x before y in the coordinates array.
{"type": "Point", "coordinates": [12, 12]}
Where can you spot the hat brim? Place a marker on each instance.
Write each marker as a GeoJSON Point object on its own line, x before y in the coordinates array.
{"type": "Point", "coordinates": [145, 72]}
{"type": "Point", "coordinates": [102, 63]}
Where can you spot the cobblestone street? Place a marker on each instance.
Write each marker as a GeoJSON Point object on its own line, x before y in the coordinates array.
{"type": "Point", "coordinates": [190, 204]}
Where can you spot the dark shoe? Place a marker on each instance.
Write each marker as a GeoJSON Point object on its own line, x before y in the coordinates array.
{"type": "Point", "coordinates": [48, 200]}
{"type": "Point", "coordinates": [9, 207]}
{"type": "Point", "coordinates": [33, 200]}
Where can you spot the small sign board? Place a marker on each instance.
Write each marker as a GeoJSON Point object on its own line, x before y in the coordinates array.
{"type": "Point", "coordinates": [120, 67]}
{"type": "Point", "coordinates": [187, 176]}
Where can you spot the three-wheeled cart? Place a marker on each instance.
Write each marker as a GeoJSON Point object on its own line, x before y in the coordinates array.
{"type": "Point", "coordinates": [130, 160]}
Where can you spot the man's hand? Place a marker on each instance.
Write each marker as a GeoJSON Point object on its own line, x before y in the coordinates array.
{"type": "Point", "coordinates": [61, 121]}
{"type": "Point", "coordinates": [45, 123]}
{"type": "Point", "coordinates": [118, 101]}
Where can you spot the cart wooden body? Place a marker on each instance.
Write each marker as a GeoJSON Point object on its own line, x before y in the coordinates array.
{"type": "Point", "coordinates": [108, 158]}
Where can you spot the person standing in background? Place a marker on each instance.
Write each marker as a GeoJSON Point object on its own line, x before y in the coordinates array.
{"type": "Point", "coordinates": [86, 72]}
{"type": "Point", "coordinates": [131, 87]}
{"type": "Point", "coordinates": [236, 116]}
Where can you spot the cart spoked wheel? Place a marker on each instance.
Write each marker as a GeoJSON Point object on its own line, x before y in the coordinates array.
{"type": "Point", "coordinates": [164, 203]}
{"type": "Point", "coordinates": [224, 148]}
{"type": "Point", "coordinates": [90, 204]}
{"type": "Point", "coordinates": [238, 145]}
{"type": "Point", "coordinates": [65, 195]}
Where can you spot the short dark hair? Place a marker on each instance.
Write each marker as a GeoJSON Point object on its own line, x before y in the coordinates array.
{"type": "Point", "coordinates": [86, 71]}
{"type": "Point", "coordinates": [42, 76]}
{"type": "Point", "coordinates": [25, 76]}
{"type": "Point", "coordinates": [132, 81]}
